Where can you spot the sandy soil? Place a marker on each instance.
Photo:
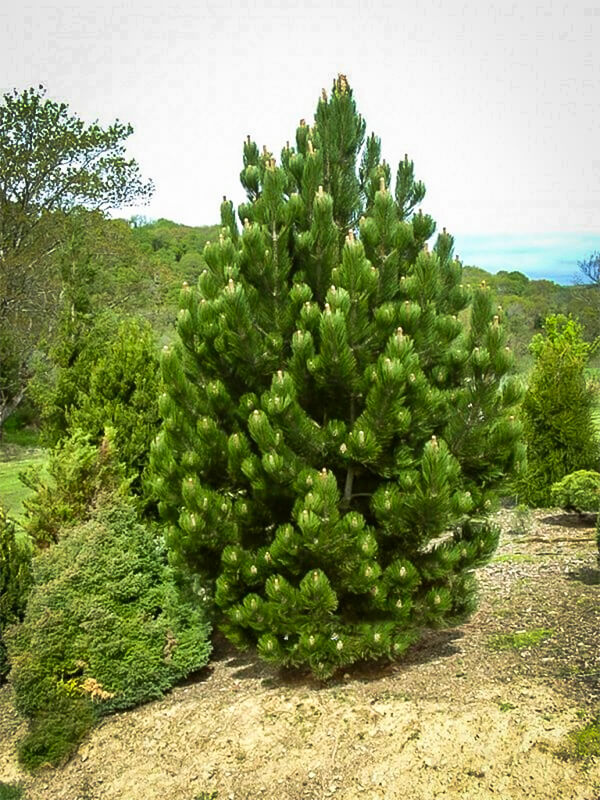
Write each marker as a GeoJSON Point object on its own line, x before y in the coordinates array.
{"type": "Point", "coordinates": [458, 719]}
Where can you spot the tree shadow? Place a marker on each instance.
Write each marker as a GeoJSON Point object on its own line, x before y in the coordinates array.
{"type": "Point", "coordinates": [571, 520]}
{"type": "Point", "coordinates": [432, 646]}
{"type": "Point", "coordinates": [590, 576]}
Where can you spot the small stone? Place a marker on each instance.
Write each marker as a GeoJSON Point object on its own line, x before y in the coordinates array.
{"type": "Point", "coordinates": [311, 775]}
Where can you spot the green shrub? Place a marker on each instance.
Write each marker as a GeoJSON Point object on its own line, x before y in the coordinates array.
{"type": "Point", "coordinates": [15, 580]}
{"type": "Point", "coordinates": [105, 629]}
{"type": "Point", "coordinates": [557, 411]}
{"type": "Point", "coordinates": [78, 478]}
{"type": "Point", "coordinates": [106, 379]}
{"type": "Point", "coordinates": [579, 491]}
{"type": "Point", "coordinates": [122, 395]}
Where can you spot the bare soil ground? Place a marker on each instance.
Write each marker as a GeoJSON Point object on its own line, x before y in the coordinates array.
{"type": "Point", "coordinates": [481, 711]}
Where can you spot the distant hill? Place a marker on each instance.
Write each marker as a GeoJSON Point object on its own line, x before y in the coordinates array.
{"type": "Point", "coordinates": [174, 253]}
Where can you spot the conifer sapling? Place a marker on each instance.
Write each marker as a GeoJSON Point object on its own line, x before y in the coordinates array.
{"type": "Point", "coordinates": [338, 408]}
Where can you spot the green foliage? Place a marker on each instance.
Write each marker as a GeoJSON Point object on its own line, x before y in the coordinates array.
{"type": "Point", "coordinates": [11, 791]}
{"type": "Point", "coordinates": [585, 742]}
{"type": "Point", "coordinates": [105, 379]}
{"type": "Point", "coordinates": [519, 641]}
{"type": "Point", "coordinates": [50, 159]}
{"type": "Point", "coordinates": [334, 435]}
{"type": "Point", "coordinates": [579, 491]}
{"type": "Point", "coordinates": [176, 251]}
{"type": "Point", "coordinates": [105, 629]}
{"type": "Point", "coordinates": [78, 478]}
{"type": "Point", "coordinates": [557, 411]}
{"type": "Point", "coordinates": [53, 170]}
{"type": "Point", "coordinates": [15, 580]}
{"type": "Point", "coordinates": [525, 305]}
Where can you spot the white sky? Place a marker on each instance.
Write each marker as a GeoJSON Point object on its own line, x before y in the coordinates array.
{"type": "Point", "coordinates": [497, 103]}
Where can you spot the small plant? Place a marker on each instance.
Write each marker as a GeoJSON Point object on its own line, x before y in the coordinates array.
{"type": "Point", "coordinates": [579, 491]}
{"type": "Point", "coordinates": [585, 742]}
{"type": "Point", "coordinates": [506, 706]}
{"type": "Point", "coordinates": [521, 640]}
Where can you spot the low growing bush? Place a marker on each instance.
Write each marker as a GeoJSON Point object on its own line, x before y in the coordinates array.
{"type": "Point", "coordinates": [579, 491]}
{"type": "Point", "coordinates": [105, 628]}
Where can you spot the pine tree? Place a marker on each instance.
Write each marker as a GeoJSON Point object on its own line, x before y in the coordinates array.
{"type": "Point", "coordinates": [558, 407]}
{"type": "Point", "coordinates": [336, 422]}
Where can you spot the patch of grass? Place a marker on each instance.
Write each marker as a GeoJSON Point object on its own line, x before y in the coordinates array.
{"type": "Point", "coordinates": [584, 743]}
{"type": "Point", "coordinates": [21, 437]}
{"type": "Point", "coordinates": [12, 491]}
{"type": "Point", "coordinates": [506, 706]}
{"type": "Point", "coordinates": [521, 640]}
{"type": "Point", "coordinates": [11, 791]}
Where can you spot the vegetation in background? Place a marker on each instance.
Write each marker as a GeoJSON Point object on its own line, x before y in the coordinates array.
{"type": "Point", "coordinates": [13, 462]}
{"type": "Point", "coordinates": [327, 413]}
{"type": "Point", "coordinates": [105, 628]}
{"type": "Point", "coordinates": [557, 411]}
{"type": "Point", "coordinates": [526, 303]}
{"type": "Point", "coordinates": [588, 294]}
{"type": "Point", "coordinates": [105, 379]}
{"type": "Point", "coordinates": [54, 167]}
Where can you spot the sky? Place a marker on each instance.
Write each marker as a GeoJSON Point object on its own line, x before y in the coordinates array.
{"type": "Point", "coordinates": [496, 103]}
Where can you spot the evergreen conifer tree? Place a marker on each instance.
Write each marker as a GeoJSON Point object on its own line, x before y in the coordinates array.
{"type": "Point", "coordinates": [334, 429]}
{"type": "Point", "coordinates": [558, 422]}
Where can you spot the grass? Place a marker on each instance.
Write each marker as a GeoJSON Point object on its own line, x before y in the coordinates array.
{"type": "Point", "coordinates": [12, 491]}
{"type": "Point", "coordinates": [583, 744]}
{"type": "Point", "coordinates": [506, 706]}
{"type": "Point", "coordinates": [586, 740]}
{"type": "Point", "coordinates": [11, 791]}
{"type": "Point", "coordinates": [21, 437]}
{"type": "Point", "coordinates": [521, 640]}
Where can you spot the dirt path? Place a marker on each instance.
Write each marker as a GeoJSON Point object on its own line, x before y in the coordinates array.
{"type": "Point", "coordinates": [482, 711]}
